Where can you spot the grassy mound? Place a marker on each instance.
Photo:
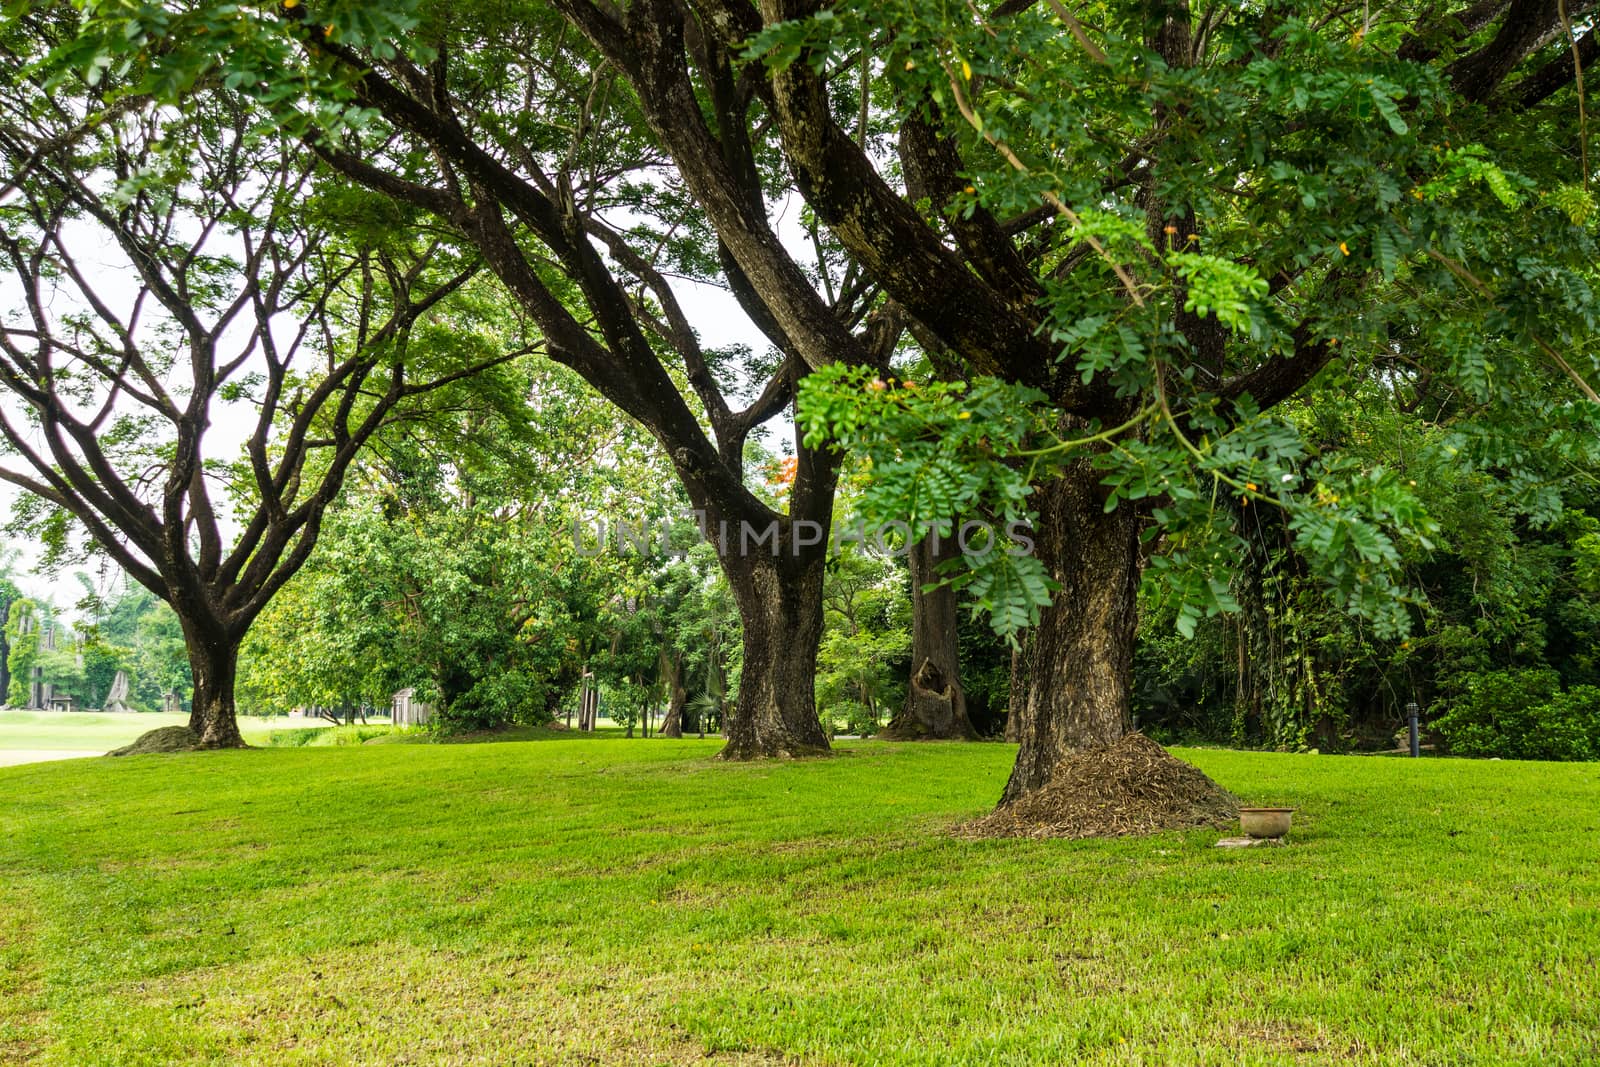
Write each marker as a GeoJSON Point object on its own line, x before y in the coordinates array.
{"type": "Point", "coordinates": [1132, 787]}
{"type": "Point", "coordinates": [166, 739]}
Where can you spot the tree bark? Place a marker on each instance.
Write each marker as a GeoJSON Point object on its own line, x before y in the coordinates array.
{"type": "Point", "coordinates": [5, 648]}
{"type": "Point", "coordinates": [780, 605]}
{"type": "Point", "coordinates": [1015, 691]}
{"type": "Point", "coordinates": [677, 695]}
{"type": "Point", "coordinates": [214, 661]}
{"type": "Point", "coordinates": [936, 705]}
{"type": "Point", "coordinates": [1076, 668]}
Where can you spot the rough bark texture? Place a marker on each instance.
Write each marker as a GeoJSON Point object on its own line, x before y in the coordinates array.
{"type": "Point", "coordinates": [214, 664]}
{"type": "Point", "coordinates": [677, 695]}
{"type": "Point", "coordinates": [780, 606]}
{"type": "Point", "coordinates": [936, 704]}
{"type": "Point", "coordinates": [1077, 665]}
{"type": "Point", "coordinates": [1017, 690]}
{"type": "Point", "coordinates": [5, 649]}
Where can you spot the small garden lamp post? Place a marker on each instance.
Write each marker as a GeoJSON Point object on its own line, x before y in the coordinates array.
{"type": "Point", "coordinates": [1411, 717]}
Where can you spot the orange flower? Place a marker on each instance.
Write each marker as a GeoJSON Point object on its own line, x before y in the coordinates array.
{"type": "Point", "coordinates": [786, 471]}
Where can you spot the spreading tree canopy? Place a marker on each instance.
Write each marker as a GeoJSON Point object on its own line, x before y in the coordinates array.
{"type": "Point", "coordinates": [196, 346]}
{"type": "Point", "coordinates": [1141, 231]}
{"type": "Point", "coordinates": [1129, 233]}
{"type": "Point", "coordinates": [584, 190]}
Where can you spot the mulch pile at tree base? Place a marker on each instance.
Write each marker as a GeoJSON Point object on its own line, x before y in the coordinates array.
{"type": "Point", "coordinates": [1131, 787]}
{"type": "Point", "coordinates": [166, 739]}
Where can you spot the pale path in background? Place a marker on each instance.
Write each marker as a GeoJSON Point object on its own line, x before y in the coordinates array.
{"type": "Point", "coordinates": [16, 757]}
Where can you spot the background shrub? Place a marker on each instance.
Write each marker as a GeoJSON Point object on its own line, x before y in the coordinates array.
{"type": "Point", "coordinates": [1523, 714]}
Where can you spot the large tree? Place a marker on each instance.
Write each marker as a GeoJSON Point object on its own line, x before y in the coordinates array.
{"type": "Point", "coordinates": [180, 296]}
{"type": "Point", "coordinates": [1149, 229]}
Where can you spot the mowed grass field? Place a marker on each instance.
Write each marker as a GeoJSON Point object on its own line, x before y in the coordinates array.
{"type": "Point", "coordinates": [95, 731]}
{"type": "Point", "coordinates": [635, 902]}
{"type": "Point", "coordinates": [89, 731]}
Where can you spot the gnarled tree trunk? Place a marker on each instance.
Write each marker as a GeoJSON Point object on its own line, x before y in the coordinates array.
{"type": "Point", "coordinates": [677, 695]}
{"type": "Point", "coordinates": [1075, 670]}
{"type": "Point", "coordinates": [214, 661]}
{"type": "Point", "coordinates": [936, 705]}
{"type": "Point", "coordinates": [780, 606]}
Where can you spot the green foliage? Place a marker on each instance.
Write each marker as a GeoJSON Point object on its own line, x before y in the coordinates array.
{"type": "Point", "coordinates": [950, 449]}
{"type": "Point", "coordinates": [137, 49]}
{"type": "Point", "coordinates": [451, 602]}
{"type": "Point", "coordinates": [453, 566]}
{"type": "Point", "coordinates": [864, 659]}
{"type": "Point", "coordinates": [854, 717]}
{"type": "Point", "coordinates": [1462, 167]}
{"type": "Point", "coordinates": [1523, 714]}
{"type": "Point", "coordinates": [1576, 202]}
{"type": "Point", "coordinates": [23, 649]}
{"type": "Point", "coordinates": [1319, 191]}
{"type": "Point", "coordinates": [1227, 291]}
{"type": "Point", "coordinates": [938, 452]}
{"type": "Point", "coordinates": [61, 669]}
{"type": "Point", "coordinates": [134, 632]}
{"type": "Point", "coordinates": [332, 736]}
{"type": "Point", "coordinates": [101, 662]}
{"type": "Point", "coordinates": [141, 634]}
{"type": "Point", "coordinates": [1503, 582]}
{"type": "Point", "coordinates": [161, 658]}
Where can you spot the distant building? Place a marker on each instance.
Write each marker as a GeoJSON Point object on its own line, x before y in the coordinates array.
{"type": "Point", "coordinates": [407, 710]}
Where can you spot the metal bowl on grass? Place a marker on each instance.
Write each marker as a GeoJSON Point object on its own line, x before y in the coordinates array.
{"type": "Point", "coordinates": [1265, 822]}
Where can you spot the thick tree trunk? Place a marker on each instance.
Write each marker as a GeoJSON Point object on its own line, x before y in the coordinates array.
{"type": "Point", "coordinates": [5, 650]}
{"type": "Point", "coordinates": [780, 606]}
{"type": "Point", "coordinates": [677, 695]}
{"type": "Point", "coordinates": [1075, 670]}
{"type": "Point", "coordinates": [1017, 689]}
{"type": "Point", "coordinates": [936, 705]}
{"type": "Point", "coordinates": [214, 662]}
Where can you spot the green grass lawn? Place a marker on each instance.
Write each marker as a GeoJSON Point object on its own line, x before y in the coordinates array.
{"type": "Point", "coordinates": [93, 731]}
{"type": "Point", "coordinates": [608, 901]}
{"type": "Point", "coordinates": [77, 731]}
